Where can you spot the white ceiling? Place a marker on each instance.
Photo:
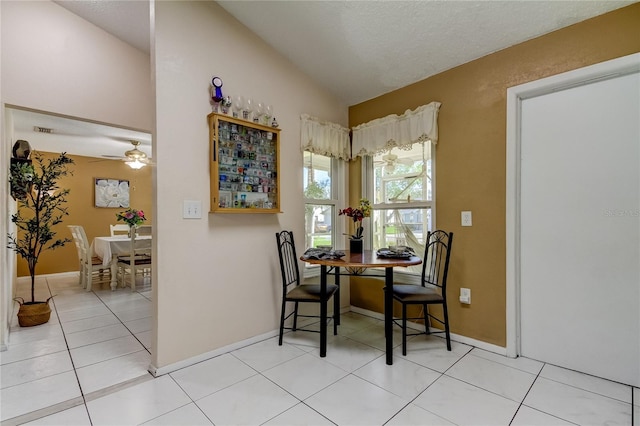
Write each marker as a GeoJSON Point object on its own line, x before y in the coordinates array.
{"type": "Point", "coordinates": [359, 50]}
{"type": "Point", "coordinates": [362, 49]}
{"type": "Point", "coordinates": [76, 137]}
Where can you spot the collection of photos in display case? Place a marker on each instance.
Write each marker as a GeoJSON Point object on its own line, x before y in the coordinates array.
{"type": "Point", "coordinates": [247, 167]}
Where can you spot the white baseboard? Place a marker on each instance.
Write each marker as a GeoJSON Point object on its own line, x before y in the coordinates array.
{"type": "Point", "coordinates": [57, 274]}
{"type": "Point", "coordinates": [455, 337]}
{"type": "Point", "coordinates": [211, 354]}
{"type": "Point", "coordinates": [155, 371]}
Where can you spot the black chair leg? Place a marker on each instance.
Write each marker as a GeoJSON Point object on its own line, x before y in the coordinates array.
{"type": "Point", "coordinates": [336, 312]}
{"type": "Point", "coordinates": [404, 329]}
{"type": "Point", "coordinates": [446, 325]}
{"type": "Point", "coordinates": [426, 318]}
{"type": "Point", "coordinates": [282, 322]}
{"type": "Point", "coordinates": [295, 316]}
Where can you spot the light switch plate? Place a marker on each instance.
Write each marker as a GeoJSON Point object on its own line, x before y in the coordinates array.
{"type": "Point", "coordinates": [192, 209]}
{"type": "Point", "coordinates": [465, 218]}
{"type": "Point", "coordinates": [465, 296]}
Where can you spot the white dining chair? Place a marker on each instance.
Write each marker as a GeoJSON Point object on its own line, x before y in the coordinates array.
{"type": "Point", "coordinates": [119, 229]}
{"type": "Point", "coordinates": [138, 259]}
{"type": "Point", "coordinates": [89, 264]}
{"type": "Point", "coordinates": [77, 242]}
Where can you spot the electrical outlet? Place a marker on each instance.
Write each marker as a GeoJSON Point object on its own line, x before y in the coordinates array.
{"type": "Point", "coordinates": [192, 209]}
{"type": "Point", "coordinates": [465, 296]}
{"type": "Point", "coordinates": [465, 218]}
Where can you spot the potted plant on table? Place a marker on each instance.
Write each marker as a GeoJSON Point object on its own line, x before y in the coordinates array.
{"type": "Point", "coordinates": [39, 210]}
{"type": "Point", "coordinates": [357, 214]}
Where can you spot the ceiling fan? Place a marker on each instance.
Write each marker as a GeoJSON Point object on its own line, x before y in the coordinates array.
{"type": "Point", "coordinates": [134, 158]}
{"type": "Point", "coordinates": [390, 160]}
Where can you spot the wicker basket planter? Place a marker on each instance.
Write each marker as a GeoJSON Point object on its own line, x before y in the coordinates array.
{"type": "Point", "coordinates": [33, 313]}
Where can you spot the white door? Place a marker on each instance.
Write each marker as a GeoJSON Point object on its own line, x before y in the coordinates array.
{"type": "Point", "coordinates": [580, 228]}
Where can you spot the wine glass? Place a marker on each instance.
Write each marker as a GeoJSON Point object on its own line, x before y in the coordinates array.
{"type": "Point", "coordinates": [248, 108]}
{"type": "Point", "coordinates": [268, 114]}
{"type": "Point", "coordinates": [259, 112]}
{"type": "Point", "coordinates": [237, 105]}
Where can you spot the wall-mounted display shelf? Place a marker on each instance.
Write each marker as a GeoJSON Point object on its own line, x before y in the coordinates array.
{"type": "Point", "coordinates": [244, 166]}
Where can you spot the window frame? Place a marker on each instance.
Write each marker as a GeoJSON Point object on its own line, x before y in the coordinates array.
{"type": "Point", "coordinates": [339, 185]}
{"type": "Point", "coordinates": [368, 190]}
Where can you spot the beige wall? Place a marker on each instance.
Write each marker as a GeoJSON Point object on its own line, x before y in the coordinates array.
{"type": "Point", "coordinates": [82, 210]}
{"type": "Point", "coordinates": [53, 61]}
{"type": "Point", "coordinates": [218, 277]}
{"type": "Point", "coordinates": [470, 154]}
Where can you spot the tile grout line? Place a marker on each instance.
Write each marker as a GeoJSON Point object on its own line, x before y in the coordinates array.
{"type": "Point", "coordinates": [526, 394]}
{"type": "Point", "coordinates": [64, 336]}
{"type": "Point", "coordinates": [122, 322]}
{"type": "Point", "coordinates": [587, 390]}
{"type": "Point", "coordinates": [75, 371]}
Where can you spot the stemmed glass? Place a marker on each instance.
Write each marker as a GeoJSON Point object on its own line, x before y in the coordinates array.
{"type": "Point", "coordinates": [248, 108]}
{"type": "Point", "coordinates": [237, 105]}
{"type": "Point", "coordinates": [268, 114]}
{"type": "Point", "coordinates": [259, 112]}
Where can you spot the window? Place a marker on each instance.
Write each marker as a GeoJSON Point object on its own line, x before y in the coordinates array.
{"type": "Point", "coordinates": [321, 195]}
{"type": "Point", "coordinates": [402, 189]}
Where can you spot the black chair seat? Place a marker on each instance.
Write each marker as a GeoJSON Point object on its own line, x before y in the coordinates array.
{"type": "Point", "coordinates": [409, 293]}
{"type": "Point", "coordinates": [310, 293]}
{"type": "Point", "coordinates": [139, 259]}
{"type": "Point", "coordinates": [432, 289]}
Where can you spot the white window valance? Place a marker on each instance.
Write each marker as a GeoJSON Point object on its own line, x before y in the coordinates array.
{"type": "Point", "coordinates": [324, 138]}
{"type": "Point", "coordinates": [397, 131]}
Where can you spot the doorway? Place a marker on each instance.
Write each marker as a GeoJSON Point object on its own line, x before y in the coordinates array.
{"type": "Point", "coordinates": [573, 221]}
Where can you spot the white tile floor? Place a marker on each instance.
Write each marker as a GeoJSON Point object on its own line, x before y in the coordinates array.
{"type": "Point", "coordinates": [65, 373]}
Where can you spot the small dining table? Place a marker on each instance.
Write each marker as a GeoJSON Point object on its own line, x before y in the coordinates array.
{"type": "Point", "coordinates": [355, 264]}
{"type": "Point", "coordinates": [109, 248]}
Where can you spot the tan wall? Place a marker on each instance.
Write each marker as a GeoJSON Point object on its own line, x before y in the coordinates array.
{"type": "Point", "coordinates": [81, 204]}
{"type": "Point", "coordinates": [470, 155]}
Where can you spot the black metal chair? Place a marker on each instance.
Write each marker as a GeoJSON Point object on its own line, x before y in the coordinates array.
{"type": "Point", "coordinates": [432, 289]}
{"type": "Point", "coordinates": [294, 291]}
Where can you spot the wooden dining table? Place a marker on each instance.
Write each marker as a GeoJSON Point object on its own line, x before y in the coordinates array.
{"type": "Point", "coordinates": [358, 264]}
{"type": "Point", "coordinates": [109, 248]}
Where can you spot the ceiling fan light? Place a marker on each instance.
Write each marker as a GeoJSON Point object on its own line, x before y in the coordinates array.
{"type": "Point", "coordinates": [136, 159]}
{"type": "Point", "coordinates": [135, 164]}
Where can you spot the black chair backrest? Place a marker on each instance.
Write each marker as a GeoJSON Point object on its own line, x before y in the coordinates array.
{"type": "Point", "coordinates": [288, 259]}
{"type": "Point", "coordinates": [435, 266]}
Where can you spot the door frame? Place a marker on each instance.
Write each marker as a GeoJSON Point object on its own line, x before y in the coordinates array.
{"type": "Point", "coordinates": [515, 95]}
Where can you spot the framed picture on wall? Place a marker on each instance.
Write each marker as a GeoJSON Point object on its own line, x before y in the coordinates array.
{"type": "Point", "coordinates": [111, 193]}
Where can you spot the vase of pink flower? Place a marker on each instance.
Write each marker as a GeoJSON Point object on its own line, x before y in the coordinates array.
{"type": "Point", "coordinates": [131, 217]}
{"type": "Point", "coordinates": [357, 214]}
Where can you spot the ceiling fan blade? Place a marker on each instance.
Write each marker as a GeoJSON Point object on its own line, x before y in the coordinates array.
{"type": "Point", "coordinates": [389, 157]}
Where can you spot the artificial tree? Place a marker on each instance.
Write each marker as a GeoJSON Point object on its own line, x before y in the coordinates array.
{"type": "Point", "coordinates": [40, 208]}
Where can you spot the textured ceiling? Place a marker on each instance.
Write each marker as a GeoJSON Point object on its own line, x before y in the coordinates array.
{"type": "Point", "coordinates": [362, 49]}
{"type": "Point", "coordinates": [359, 50]}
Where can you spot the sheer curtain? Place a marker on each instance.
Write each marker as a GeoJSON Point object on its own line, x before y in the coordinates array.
{"type": "Point", "coordinates": [405, 218]}
{"type": "Point", "coordinates": [397, 131]}
{"type": "Point", "coordinates": [324, 138]}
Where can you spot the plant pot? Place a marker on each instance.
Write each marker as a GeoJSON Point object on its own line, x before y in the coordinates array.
{"type": "Point", "coordinates": [33, 313]}
{"type": "Point", "coordinates": [355, 245]}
